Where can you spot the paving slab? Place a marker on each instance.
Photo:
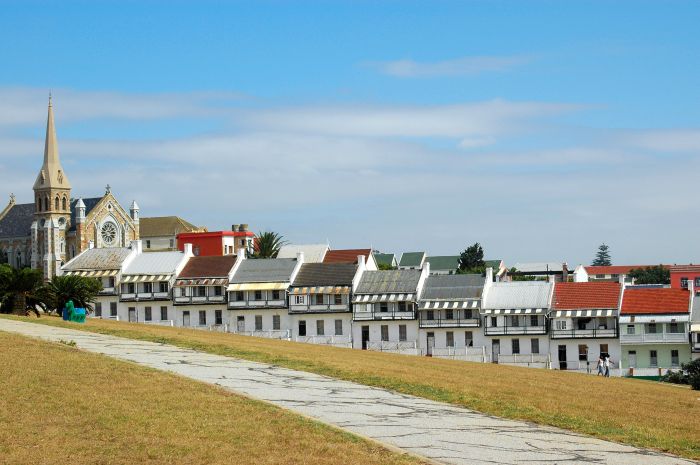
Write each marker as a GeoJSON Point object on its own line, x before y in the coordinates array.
{"type": "Point", "coordinates": [441, 432]}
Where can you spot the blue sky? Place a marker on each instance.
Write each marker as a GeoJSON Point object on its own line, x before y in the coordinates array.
{"type": "Point", "coordinates": [539, 129]}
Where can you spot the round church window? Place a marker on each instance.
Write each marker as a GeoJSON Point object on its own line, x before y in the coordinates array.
{"type": "Point", "coordinates": [109, 233]}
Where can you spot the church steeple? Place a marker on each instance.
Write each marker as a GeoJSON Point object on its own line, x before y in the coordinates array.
{"type": "Point", "coordinates": [51, 174]}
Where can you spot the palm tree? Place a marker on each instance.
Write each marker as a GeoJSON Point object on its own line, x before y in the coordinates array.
{"type": "Point", "coordinates": [21, 290]}
{"type": "Point", "coordinates": [81, 290]}
{"type": "Point", "coordinates": [268, 245]}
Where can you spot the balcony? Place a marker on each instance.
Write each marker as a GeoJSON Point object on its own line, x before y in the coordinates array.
{"type": "Point", "coordinates": [378, 315]}
{"type": "Point", "coordinates": [253, 304]}
{"type": "Point", "coordinates": [583, 333]}
{"type": "Point", "coordinates": [449, 323]}
{"type": "Point", "coordinates": [140, 296]}
{"type": "Point", "coordinates": [323, 308]}
{"type": "Point", "coordinates": [514, 330]}
{"type": "Point", "coordinates": [654, 338]}
{"type": "Point", "coordinates": [190, 300]}
{"type": "Point", "coordinates": [108, 291]}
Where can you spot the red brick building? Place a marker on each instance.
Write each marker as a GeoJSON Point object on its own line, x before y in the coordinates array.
{"type": "Point", "coordinates": [218, 243]}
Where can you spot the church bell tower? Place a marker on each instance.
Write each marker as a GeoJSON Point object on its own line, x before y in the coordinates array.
{"type": "Point", "coordinates": [51, 207]}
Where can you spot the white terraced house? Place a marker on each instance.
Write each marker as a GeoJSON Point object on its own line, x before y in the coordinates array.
{"type": "Point", "coordinates": [200, 292]}
{"type": "Point", "coordinates": [320, 308]}
{"type": "Point", "coordinates": [384, 310]}
{"type": "Point", "coordinates": [515, 321]}
{"type": "Point", "coordinates": [145, 291]}
{"type": "Point", "coordinates": [257, 296]}
{"type": "Point", "coordinates": [448, 317]}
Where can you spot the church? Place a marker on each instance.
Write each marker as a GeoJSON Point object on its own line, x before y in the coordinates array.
{"type": "Point", "coordinates": [56, 227]}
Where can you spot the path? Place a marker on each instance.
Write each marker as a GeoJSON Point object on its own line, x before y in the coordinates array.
{"type": "Point", "coordinates": [441, 432]}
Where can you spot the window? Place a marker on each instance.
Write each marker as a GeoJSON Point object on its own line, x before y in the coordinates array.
{"type": "Point", "coordinates": [98, 309]}
{"type": "Point", "coordinates": [583, 352]}
{"type": "Point", "coordinates": [514, 320]}
{"type": "Point", "coordinates": [239, 296]}
{"type": "Point", "coordinates": [468, 314]}
{"type": "Point", "coordinates": [697, 283]}
{"type": "Point", "coordinates": [516, 346]}
{"type": "Point", "coordinates": [110, 281]}
{"type": "Point", "coordinates": [684, 282]}
{"type": "Point", "coordinates": [560, 324]}
{"type": "Point", "coordinates": [338, 327]}
{"type": "Point", "coordinates": [651, 328]}
{"type": "Point", "coordinates": [276, 322]}
{"type": "Point", "coordinates": [128, 288]}
{"type": "Point", "coordinates": [258, 322]}
{"type": "Point", "coordinates": [385, 332]}
{"type": "Point", "coordinates": [494, 321]}
{"type": "Point", "coordinates": [56, 204]}
{"type": "Point", "coordinates": [674, 328]}
{"type": "Point", "coordinates": [275, 295]}
{"type": "Point", "coordinates": [674, 358]}
{"type": "Point", "coordinates": [534, 320]}
{"type": "Point", "coordinates": [172, 243]}
{"type": "Point", "coordinates": [218, 317]}
{"type": "Point", "coordinates": [163, 286]}
{"type": "Point", "coordinates": [147, 288]}
{"type": "Point", "coordinates": [319, 299]}
{"type": "Point", "coordinates": [195, 251]}
{"type": "Point", "coordinates": [302, 328]}
{"type": "Point", "coordinates": [147, 314]}
{"type": "Point", "coordinates": [450, 338]}
{"type": "Point", "coordinates": [449, 315]}
{"type": "Point", "coordinates": [430, 315]}
{"type": "Point", "coordinates": [183, 292]}
{"type": "Point", "coordinates": [653, 359]}
{"type": "Point", "coordinates": [320, 327]}
{"type": "Point", "coordinates": [534, 346]}
{"type": "Point", "coordinates": [402, 333]}
{"type": "Point", "coordinates": [113, 309]}
{"type": "Point", "coordinates": [163, 313]}
{"type": "Point", "coordinates": [604, 350]}
{"type": "Point", "coordinates": [384, 307]}
{"type": "Point", "coordinates": [300, 300]}
{"type": "Point", "coordinates": [201, 291]}
{"type": "Point", "coordinates": [338, 299]}
{"type": "Point", "coordinates": [258, 295]}
{"type": "Point", "coordinates": [402, 306]}
{"type": "Point", "coordinates": [217, 291]}
{"type": "Point", "coordinates": [202, 318]}
{"type": "Point", "coordinates": [148, 244]}
{"type": "Point", "coordinates": [468, 339]}
{"type": "Point", "coordinates": [630, 330]}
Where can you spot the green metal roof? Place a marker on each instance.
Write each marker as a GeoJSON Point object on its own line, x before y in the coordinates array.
{"type": "Point", "coordinates": [412, 259]}
{"type": "Point", "coordinates": [385, 259]}
{"type": "Point", "coordinates": [445, 262]}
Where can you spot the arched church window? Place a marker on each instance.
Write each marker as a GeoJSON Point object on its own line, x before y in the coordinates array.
{"type": "Point", "coordinates": [108, 232]}
{"type": "Point", "coordinates": [38, 204]}
{"type": "Point", "coordinates": [64, 204]}
{"type": "Point", "coordinates": [63, 245]}
{"type": "Point", "coordinates": [46, 203]}
{"type": "Point", "coordinates": [56, 206]}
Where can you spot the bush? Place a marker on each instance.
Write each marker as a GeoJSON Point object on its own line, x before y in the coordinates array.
{"type": "Point", "coordinates": [674, 377]}
{"type": "Point", "coordinates": [688, 374]}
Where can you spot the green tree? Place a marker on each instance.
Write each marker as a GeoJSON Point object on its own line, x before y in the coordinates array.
{"type": "Point", "coordinates": [21, 290]}
{"type": "Point", "coordinates": [602, 257]}
{"type": "Point", "coordinates": [514, 276]}
{"type": "Point", "coordinates": [81, 290]}
{"type": "Point", "coordinates": [385, 266]}
{"type": "Point", "coordinates": [658, 274]}
{"type": "Point", "coordinates": [472, 259]}
{"type": "Point", "coordinates": [267, 245]}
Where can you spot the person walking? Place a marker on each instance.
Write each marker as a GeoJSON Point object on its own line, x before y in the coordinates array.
{"type": "Point", "coordinates": [601, 366]}
{"type": "Point", "coordinates": [607, 366]}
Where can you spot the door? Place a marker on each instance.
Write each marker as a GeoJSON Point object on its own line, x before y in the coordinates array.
{"type": "Point", "coordinates": [302, 328]}
{"type": "Point", "coordinates": [240, 324]}
{"type": "Point", "coordinates": [185, 318]}
{"type": "Point", "coordinates": [633, 359]}
{"type": "Point", "coordinates": [495, 350]}
{"type": "Point", "coordinates": [562, 357]}
{"type": "Point", "coordinates": [431, 344]}
{"type": "Point", "coordinates": [132, 314]}
{"type": "Point", "coordinates": [365, 337]}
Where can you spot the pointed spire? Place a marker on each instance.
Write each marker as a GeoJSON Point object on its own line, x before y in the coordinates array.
{"type": "Point", "coordinates": [51, 174]}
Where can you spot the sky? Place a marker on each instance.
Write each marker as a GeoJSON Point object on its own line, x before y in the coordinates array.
{"type": "Point", "coordinates": [538, 129]}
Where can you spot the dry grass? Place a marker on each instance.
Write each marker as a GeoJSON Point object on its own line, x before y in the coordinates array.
{"type": "Point", "coordinates": [60, 405]}
{"type": "Point", "coordinates": [637, 412]}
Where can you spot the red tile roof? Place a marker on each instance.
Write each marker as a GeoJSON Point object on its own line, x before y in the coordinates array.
{"type": "Point", "coordinates": [685, 269]}
{"type": "Point", "coordinates": [615, 269]}
{"type": "Point", "coordinates": [345, 255]}
{"type": "Point", "coordinates": [208, 267]}
{"type": "Point", "coordinates": [592, 295]}
{"type": "Point", "coordinates": [654, 301]}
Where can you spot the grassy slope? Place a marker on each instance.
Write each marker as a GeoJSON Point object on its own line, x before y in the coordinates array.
{"type": "Point", "coordinates": [61, 405]}
{"type": "Point", "coordinates": [636, 412]}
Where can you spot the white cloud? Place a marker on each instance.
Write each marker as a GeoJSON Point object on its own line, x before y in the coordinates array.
{"type": "Point", "coordinates": [465, 66]}
{"type": "Point", "coordinates": [663, 140]}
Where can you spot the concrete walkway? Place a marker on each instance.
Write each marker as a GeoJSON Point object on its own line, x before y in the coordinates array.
{"type": "Point", "coordinates": [440, 432]}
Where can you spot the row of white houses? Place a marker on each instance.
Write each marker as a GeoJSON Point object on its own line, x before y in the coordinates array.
{"type": "Point", "coordinates": [644, 330]}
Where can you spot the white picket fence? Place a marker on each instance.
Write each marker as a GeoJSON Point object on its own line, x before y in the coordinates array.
{"type": "Point", "coordinates": [530, 360]}
{"type": "Point", "coordinates": [397, 347]}
{"type": "Point", "coordinates": [271, 334]}
{"type": "Point", "coordinates": [335, 341]}
{"type": "Point", "coordinates": [469, 354]}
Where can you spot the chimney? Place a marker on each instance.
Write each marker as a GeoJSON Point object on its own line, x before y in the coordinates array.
{"type": "Point", "coordinates": [91, 244]}
{"type": "Point", "coordinates": [489, 275]}
{"type": "Point", "coordinates": [234, 227]}
{"type": "Point", "coordinates": [361, 262]}
{"type": "Point", "coordinates": [244, 227]}
{"type": "Point", "coordinates": [137, 246]}
{"type": "Point", "coordinates": [300, 257]}
{"type": "Point", "coordinates": [426, 267]}
{"type": "Point", "coordinates": [187, 250]}
{"type": "Point", "coordinates": [564, 272]}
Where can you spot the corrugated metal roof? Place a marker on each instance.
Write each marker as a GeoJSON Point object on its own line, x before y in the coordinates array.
{"type": "Point", "coordinates": [412, 258]}
{"type": "Point", "coordinates": [455, 286]}
{"type": "Point", "coordinates": [518, 294]}
{"type": "Point", "coordinates": [154, 263]}
{"type": "Point", "coordinates": [385, 259]}
{"type": "Point", "coordinates": [391, 281]}
{"type": "Point", "coordinates": [165, 226]}
{"type": "Point", "coordinates": [443, 263]}
{"type": "Point", "coordinates": [325, 274]}
{"type": "Point", "coordinates": [539, 267]}
{"type": "Point", "coordinates": [107, 258]}
{"type": "Point", "coordinates": [18, 221]}
{"type": "Point", "coordinates": [313, 253]}
{"type": "Point", "coordinates": [264, 270]}
{"type": "Point", "coordinates": [208, 266]}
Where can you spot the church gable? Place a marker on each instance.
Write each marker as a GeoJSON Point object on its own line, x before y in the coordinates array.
{"type": "Point", "coordinates": [108, 224]}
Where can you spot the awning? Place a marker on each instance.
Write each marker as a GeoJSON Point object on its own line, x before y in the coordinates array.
{"type": "Point", "coordinates": [142, 278]}
{"type": "Point", "coordinates": [695, 328]}
{"type": "Point", "coordinates": [258, 287]}
{"type": "Point", "coordinates": [514, 311]}
{"type": "Point", "coordinates": [370, 298]}
{"type": "Point", "coordinates": [447, 304]}
{"type": "Point", "coordinates": [320, 290]}
{"type": "Point", "coordinates": [201, 282]}
{"type": "Point", "coordinates": [630, 319]}
{"type": "Point", "coordinates": [583, 313]}
{"type": "Point", "coordinates": [94, 273]}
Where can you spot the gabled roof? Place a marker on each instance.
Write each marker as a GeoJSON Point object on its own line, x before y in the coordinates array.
{"type": "Point", "coordinates": [387, 282]}
{"type": "Point", "coordinates": [385, 259]}
{"type": "Point", "coordinates": [443, 263]}
{"type": "Point", "coordinates": [17, 222]}
{"type": "Point", "coordinates": [539, 267]}
{"type": "Point", "coordinates": [264, 270]}
{"type": "Point", "coordinates": [518, 294]}
{"type": "Point", "coordinates": [208, 267]}
{"type": "Point", "coordinates": [346, 255]}
{"type": "Point", "coordinates": [325, 274]}
{"type": "Point", "coordinates": [650, 300]}
{"type": "Point", "coordinates": [588, 296]}
{"type": "Point", "coordinates": [313, 253]}
{"type": "Point", "coordinates": [107, 258]}
{"type": "Point", "coordinates": [495, 264]}
{"type": "Point", "coordinates": [685, 268]}
{"type": "Point", "coordinates": [453, 287]}
{"type": "Point", "coordinates": [154, 263]}
{"type": "Point", "coordinates": [158, 226]}
{"type": "Point", "coordinates": [414, 259]}
{"type": "Point", "coordinates": [90, 203]}
{"type": "Point", "coordinates": [613, 269]}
